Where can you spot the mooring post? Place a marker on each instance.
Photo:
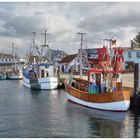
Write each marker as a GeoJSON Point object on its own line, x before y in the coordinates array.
{"type": "Point", "coordinates": [136, 80]}
{"type": "Point", "coordinates": [135, 100]}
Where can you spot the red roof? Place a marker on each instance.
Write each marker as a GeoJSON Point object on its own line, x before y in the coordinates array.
{"type": "Point", "coordinates": [67, 59]}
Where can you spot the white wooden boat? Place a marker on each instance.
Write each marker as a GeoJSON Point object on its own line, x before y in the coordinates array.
{"type": "Point", "coordinates": [15, 75]}
{"type": "Point", "coordinates": [40, 77]}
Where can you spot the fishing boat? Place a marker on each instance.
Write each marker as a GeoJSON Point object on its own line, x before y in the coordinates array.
{"type": "Point", "coordinates": [40, 76]}
{"type": "Point", "coordinates": [103, 88]}
{"type": "Point", "coordinates": [15, 74]}
{"type": "Point", "coordinates": [96, 93]}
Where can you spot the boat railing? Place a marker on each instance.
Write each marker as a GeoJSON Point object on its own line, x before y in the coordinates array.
{"type": "Point", "coordinates": [87, 86]}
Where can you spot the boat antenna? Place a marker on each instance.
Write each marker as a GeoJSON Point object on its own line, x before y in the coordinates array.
{"type": "Point", "coordinates": [81, 52]}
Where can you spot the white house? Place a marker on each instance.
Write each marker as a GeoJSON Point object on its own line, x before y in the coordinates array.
{"type": "Point", "coordinates": [67, 62]}
{"type": "Point", "coordinates": [131, 56]}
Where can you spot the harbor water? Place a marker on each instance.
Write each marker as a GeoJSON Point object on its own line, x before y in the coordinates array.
{"type": "Point", "coordinates": [26, 113]}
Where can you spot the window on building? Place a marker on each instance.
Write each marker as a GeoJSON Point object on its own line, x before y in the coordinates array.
{"type": "Point", "coordinates": [78, 60]}
{"type": "Point", "coordinates": [129, 55]}
{"type": "Point", "coordinates": [138, 54]}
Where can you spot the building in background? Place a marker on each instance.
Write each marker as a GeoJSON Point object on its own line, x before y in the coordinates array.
{"type": "Point", "coordinates": [131, 56]}
{"type": "Point", "coordinates": [67, 62]}
{"type": "Point", "coordinates": [90, 55]}
{"type": "Point", "coordinates": [6, 61]}
{"type": "Point", "coordinates": [54, 55]}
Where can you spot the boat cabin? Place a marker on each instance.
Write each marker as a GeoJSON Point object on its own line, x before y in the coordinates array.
{"type": "Point", "coordinates": [105, 81]}
{"type": "Point", "coordinates": [44, 70]}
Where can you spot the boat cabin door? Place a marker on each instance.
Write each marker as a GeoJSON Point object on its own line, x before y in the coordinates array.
{"type": "Point", "coordinates": [42, 73]}
{"type": "Point", "coordinates": [98, 79]}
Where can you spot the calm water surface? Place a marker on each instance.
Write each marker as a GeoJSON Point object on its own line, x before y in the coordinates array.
{"type": "Point", "coordinates": [26, 113]}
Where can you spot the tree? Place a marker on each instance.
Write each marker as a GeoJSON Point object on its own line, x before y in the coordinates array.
{"type": "Point", "coordinates": [135, 43]}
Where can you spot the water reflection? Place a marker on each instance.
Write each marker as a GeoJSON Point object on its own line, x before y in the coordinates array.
{"type": "Point", "coordinates": [94, 123]}
{"type": "Point", "coordinates": [35, 91]}
{"type": "Point", "coordinates": [136, 127]}
{"type": "Point", "coordinates": [45, 113]}
{"type": "Point", "coordinates": [106, 124]}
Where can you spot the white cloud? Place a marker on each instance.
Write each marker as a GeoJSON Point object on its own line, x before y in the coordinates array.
{"type": "Point", "coordinates": [64, 20]}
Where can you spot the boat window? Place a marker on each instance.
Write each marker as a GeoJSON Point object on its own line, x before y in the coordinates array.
{"type": "Point", "coordinates": [98, 79]}
{"type": "Point", "coordinates": [138, 54]}
{"type": "Point", "coordinates": [47, 74]}
{"type": "Point", "coordinates": [105, 77]}
{"type": "Point", "coordinates": [117, 75]}
{"type": "Point", "coordinates": [42, 73]}
{"type": "Point", "coordinates": [129, 55]}
{"type": "Point", "coordinates": [93, 76]}
{"type": "Point", "coordinates": [46, 66]}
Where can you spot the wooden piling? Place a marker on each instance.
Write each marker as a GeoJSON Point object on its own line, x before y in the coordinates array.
{"type": "Point", "coordinates": [136, 79]}
{"type": "Point", "coordinates": [135, 100]}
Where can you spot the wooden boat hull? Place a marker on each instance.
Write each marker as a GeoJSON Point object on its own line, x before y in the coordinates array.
{"type": "Point", "coordinates": [43, 83]}
{"type": "Point", "coordinates": [116, 101]}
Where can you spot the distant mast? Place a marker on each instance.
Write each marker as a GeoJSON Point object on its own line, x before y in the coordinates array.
{"type": "Point", "coordinates": [34, 39]}
{"type": "Point", "coordinates": [13, 52]}
{"type": "Point", "coordinates": [81, 53]}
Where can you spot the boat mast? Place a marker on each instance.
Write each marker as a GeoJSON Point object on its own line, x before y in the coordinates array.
{"type": "Point", "coordinates": [13, 55]}
{"type": "Point", "coordinates": [45, 44]}
{"type": "Point", "coordinates": [81, 53]}
{"type": "Point", "coordinates": [110, 44]}
{"type": "Point", "coordinates": [36, 46]}
{"type": "Point", "coordinates": [110, 47]}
